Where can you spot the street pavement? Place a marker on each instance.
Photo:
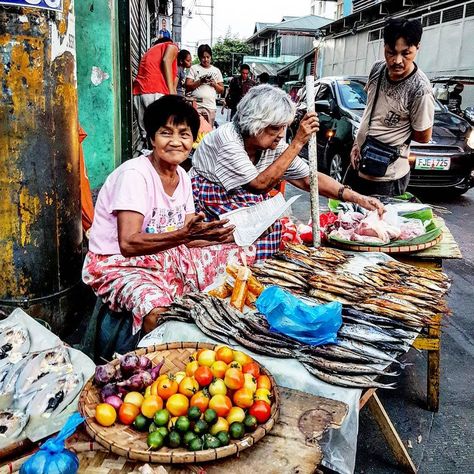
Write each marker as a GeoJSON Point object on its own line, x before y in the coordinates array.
{"type": "Point", "coordinates": [440, 442]}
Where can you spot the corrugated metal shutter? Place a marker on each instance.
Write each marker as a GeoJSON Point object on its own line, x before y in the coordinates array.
{"type": "Point", "coordinates": [139, 43]}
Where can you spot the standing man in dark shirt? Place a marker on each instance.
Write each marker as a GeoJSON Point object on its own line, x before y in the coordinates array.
{"type": "Point", "coordinates": [238, 87]}
{"type": "Point", "coordinates": [455, 99]}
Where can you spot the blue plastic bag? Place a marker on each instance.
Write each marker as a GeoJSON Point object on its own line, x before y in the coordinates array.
{"type": "Point", "coordinates": [52, 457]}
{"type": "Point", "coordinates": [287, 314]}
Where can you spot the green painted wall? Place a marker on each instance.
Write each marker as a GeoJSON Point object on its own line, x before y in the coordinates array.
{"type": "Point", "coordinates": [98, 81]}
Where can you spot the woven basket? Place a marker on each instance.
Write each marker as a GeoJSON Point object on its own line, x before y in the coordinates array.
{"type": "Point", "coordinates": [125, 441]}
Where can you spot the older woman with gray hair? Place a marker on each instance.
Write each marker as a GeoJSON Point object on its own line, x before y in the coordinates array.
{"type": "Point", "coordinates": [238, 164]}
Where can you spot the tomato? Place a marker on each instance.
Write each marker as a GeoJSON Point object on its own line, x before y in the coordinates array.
{"type": "Point", "coordinates": [218, 369]}
{"type": "Point", "coordinates": [136, 398]}
{"type": "Point", "coordinates": [263, 394]}
{"type": "Point", "coordinates": [264, 382]}
{"type": "Point", "coordinates": [250, 382]}
{"type": "Point", "coordinates": [188, 386]}
{"type": "Point", "coordinates": [242, 358]}
{"type": "Point", "coordinates": [151, 405]}
{"type": "Point", "coordinates": [203, 375]}
{"type": "Point", "coordinates": [178, 404]}
{"type": "Point", "coordinates": [225, 354]}
{"type": "Point", "coordinates": [128, 412]}
{"type": "Point", "coordinates": [234, 378]}
{"type": "Point", "coordinates": [105, 414]}
{"type": "Point", "coordinates": [217, 387]}
{"type": "Point", "coordinates": [179, 376]}
{"type": "Point", "coordinates": [207, 357]}
{"type": "Point", "coordinates": [243, 398]}
{"type": "Point", "coordinates": [235, 414]}
{"type": "Point", "coordinates": [166, 388]}
{"type": "Point", "coordinates": [201, 400]}
{"type": "Point", "coordinates": [235, 365]}
{"type": "Point", "coordinates": [251, 368]}
{"type": "Point", "coordinates": [220, 425]}
{"type": "Point", "coordinates": [221, 404]}
{"type": "Point", "coordinates": [260, 410]}
{"type": "Point", "coordinates": [191, 367]}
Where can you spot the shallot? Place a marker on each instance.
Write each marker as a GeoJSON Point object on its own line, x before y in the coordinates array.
{"type": "Point", "coordinates": [108, 390]}
{"type": "Point", "coordinates": [114, 400]}
{"type": "Point", "coordinates": [138, 381]}
{"type": "Point", "coordinates": [104, 374]}
{"type": "Point", "coordinates": [129, 364]}
{"type": "Point", "coordinates": [155, 372]}
{"type": "Point", "coordinates": [144, 362]}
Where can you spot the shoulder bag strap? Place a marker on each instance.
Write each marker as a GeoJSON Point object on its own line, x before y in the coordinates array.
{"type": "Point", "coordinates": [377, 90]}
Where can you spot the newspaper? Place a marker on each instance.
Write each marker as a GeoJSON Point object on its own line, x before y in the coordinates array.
{"type": "Point", "coordinates": [251, 222]}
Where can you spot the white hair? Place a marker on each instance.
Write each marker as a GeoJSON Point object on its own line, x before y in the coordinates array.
{"type": "Point", "coordinates": [261, 107]}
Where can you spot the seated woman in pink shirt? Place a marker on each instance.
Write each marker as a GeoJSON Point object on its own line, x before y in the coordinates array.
{"type": "Point", "coordinates": [147, 246]}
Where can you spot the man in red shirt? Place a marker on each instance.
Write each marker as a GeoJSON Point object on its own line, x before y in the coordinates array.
{"type": "Point", "coordinates": [157, 76]}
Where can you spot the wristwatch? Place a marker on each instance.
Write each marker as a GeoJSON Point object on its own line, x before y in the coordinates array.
{"type": "Point", "coordinates": [340, 193]}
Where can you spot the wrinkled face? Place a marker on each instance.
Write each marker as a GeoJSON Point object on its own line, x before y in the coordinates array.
{"type": "Point", "coordinates": [172, 143]}
{"type": "Point", "coordinates": [187, 61]}
{"type": "Point", "coordinates": [400, 59]}
{"type": "Point", "coordinates": [206, 60]}
{"type": "Point", "coordinates": [270, 137]}
{"type": "Point", "coordinates": [245, 74]}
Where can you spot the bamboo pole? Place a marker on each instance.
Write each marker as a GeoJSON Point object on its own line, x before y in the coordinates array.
{"type": "Point", "coordinates": [313, 167]}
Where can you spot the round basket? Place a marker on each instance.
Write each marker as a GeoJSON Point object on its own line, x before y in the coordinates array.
{"type": "Point", "coordinates": [125, 441]}
{"type": "Point", "coordinates": [386, 249]}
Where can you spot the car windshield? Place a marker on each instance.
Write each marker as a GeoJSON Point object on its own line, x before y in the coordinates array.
{"type": "Point", "coordinates": [353, 95]}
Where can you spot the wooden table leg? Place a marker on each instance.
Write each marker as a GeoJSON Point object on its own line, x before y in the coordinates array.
{"type": "Point", "coordinates": [390, 434]}
{"type": "Point", "coordinates": [433, 373]}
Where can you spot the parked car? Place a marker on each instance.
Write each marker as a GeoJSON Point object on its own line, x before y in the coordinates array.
{"type": "Point", "coordinates": [446, 161]}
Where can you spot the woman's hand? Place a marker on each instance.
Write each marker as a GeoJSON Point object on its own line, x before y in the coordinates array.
{"type": "Point", "coordinates": [196, 231]}
{"type": "Point", "coordinates": [355, 156]}
{"type": "Point", "coordinates": [370, 203]}
{"type": "Point", "coordinates": [308, 125]}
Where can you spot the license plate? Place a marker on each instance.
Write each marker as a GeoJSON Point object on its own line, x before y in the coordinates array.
{"type": "Point", "coordinates": [431, 163]}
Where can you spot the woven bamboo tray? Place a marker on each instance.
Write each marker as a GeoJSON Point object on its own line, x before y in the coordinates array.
{"type": "Point", "coordinates": [386, 249]}
{"type": "Point", "coordinates": [125, 441]}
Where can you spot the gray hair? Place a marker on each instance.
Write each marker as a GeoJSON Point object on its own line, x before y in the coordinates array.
{"type": "Point", "coordinates": [261, 107]}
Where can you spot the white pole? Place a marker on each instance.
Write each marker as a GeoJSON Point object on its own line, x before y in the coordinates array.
{"type": "Point", "coordinates": [313, 167]}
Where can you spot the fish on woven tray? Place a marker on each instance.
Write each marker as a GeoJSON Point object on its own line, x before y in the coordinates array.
{"type": "Point", "coordinates": [56, 396]}
{"type": "Point", "coordinates": [12, 423]}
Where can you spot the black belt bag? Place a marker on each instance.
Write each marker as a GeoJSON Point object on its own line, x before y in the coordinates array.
{"type": "Point", "coordinates": [375, 157]}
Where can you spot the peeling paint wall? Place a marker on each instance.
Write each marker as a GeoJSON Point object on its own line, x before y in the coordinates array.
{"type": "Point", "coordinates": [98, 83]}
{"type": "Point", "coordinates": [40, 214]}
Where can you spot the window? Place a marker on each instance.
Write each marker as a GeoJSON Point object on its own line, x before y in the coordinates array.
{"type": "Point", "coordinates": [278, 47]}
{"type": "Point", "coordinates": [469, 9]}
{"type": "Point", "coordinates": [265, 51]}
{"type": "Point", "coordinates": [324, 93]}
{"type": "Point", "coordinates": [433, 19]}
{"type": "Point", "coordinates": [353, 94]}
{"type": "Point", "coordinates": [272, 49]}
{"type": "Point", "coordinates": [452, 14]}
{"type": "Point", "coordinates": [374, 35]}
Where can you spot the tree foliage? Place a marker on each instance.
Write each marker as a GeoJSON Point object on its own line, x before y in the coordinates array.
{"type": "Point", "coordinates": [225, 49]}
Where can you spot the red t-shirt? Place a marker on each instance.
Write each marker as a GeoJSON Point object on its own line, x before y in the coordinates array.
{"type": "Point", "coordinates": [150, 78]}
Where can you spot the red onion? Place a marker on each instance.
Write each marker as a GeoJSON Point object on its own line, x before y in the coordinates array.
{"type": "Point", "coordinates": [114, 400]}
{"type": "Point", "coordinates": [129, 364]}
{"type": "Point", "coordinates": [108, 390]}
{"type": "Point", "coordinates": [155, 372]}
{"type": "Point", "coordinates": [104, 374]}
{"type": "Point", "coordinates": [137, 381]}
{"type": "Point", "coordinates": [144, 362]}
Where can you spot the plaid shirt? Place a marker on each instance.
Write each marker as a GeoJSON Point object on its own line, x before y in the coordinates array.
{"type": "Point", "coordinates": [214, 200]}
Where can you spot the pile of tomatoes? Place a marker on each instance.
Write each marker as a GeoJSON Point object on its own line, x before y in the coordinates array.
{"type": "Point", "coordinates": [220, 395]}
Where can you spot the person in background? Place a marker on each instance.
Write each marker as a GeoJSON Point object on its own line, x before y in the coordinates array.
{"type": "Point", "coordinates": [238, 87]}
{"type": "Point", "coordinates": [157, 76]}
{"type": "Point", "coordinates": [238, 164]}
{"type": "Point", "coordinates": [455, 99]}
{"type": "Point", "coordinates": [147, 245]}
{"type": "Point", "coordinates": [400, 108]}
{"type": "Point", "coordinates": [264, 78]}
{"type": "Point", "coordinates": [205, 81]}
{"type": "Point", "coordinates": [184, 63]}
{"type": "Point", "coordinates": [164, 32]}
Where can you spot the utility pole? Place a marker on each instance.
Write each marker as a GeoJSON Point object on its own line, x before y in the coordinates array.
{"type": "Point", "coordinates": [177, 20]}
{"type": "Point", "coordinates": [211, 14]}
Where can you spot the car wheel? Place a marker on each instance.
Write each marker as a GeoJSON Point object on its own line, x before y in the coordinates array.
{"type": "Point", "coordinates": [336, 167]}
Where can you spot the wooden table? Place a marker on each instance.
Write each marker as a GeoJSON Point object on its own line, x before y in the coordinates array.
{"type": "Point", "coordinates": [291, 446]}
{"type": "Point", "coordinates": [431, 258]}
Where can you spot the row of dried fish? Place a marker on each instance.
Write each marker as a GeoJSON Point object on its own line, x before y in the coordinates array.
{"type": "Point", "coordinates": [393, 289]}
{"type": "Point", "coordinates": [362, 354]}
